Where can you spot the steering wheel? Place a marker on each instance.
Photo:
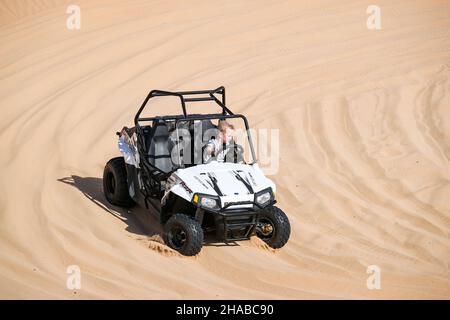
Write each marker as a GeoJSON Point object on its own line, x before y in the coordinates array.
{"type": "Point", "coordinates": [237, 152]}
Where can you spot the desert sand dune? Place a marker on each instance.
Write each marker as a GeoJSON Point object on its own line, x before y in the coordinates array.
{"type": "Point", "coordinates": [364, 124]}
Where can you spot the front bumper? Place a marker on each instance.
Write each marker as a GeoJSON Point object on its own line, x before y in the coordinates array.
{"type": "Point", "coordinates": [237, 224]}
{"type": "Point", "coordinates": [234, 219]}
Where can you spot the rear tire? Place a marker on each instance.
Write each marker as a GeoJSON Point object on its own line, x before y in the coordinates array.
{"type": "Point", "coordinates": [183, 234]}
{"type": "Point", "coordinates": [115, 184]}
{"type": "Point", "coordinates": [273, 227]}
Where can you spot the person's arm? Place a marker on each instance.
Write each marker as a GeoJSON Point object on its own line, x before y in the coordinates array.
{"type": "Point", "coordinates": [209, 151]}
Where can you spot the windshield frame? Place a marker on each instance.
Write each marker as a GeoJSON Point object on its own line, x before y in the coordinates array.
{"type": "Point", "coordinates": [223, 117]}
{"type": "Point", "coordinates": [179, 118]}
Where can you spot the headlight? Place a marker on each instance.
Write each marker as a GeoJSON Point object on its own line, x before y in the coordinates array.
{"type": "Point", "coordinates": [264, 197]}
{"type": "Point", "coordinates": [208, 203]}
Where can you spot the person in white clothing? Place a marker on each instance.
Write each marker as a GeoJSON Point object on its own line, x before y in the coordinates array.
{"type": "Point", "coordinates": [214, 147]}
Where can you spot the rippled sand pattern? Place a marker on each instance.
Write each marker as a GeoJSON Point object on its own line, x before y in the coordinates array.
{"type": "Point", "coordinates": [364, 119]}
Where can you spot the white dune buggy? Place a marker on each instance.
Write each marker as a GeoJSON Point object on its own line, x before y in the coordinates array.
{"type": "Point", "coordinates": [162, 167]}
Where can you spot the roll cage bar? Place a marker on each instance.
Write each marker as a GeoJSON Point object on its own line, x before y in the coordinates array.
{"type": "Point", "coordinates": [194, 96]}
{"type": "Point", "coordinates": [210, 96]}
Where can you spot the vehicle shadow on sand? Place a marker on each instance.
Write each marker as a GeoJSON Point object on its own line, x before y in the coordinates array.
{"type": "Point", "coordinates": [139, 221]}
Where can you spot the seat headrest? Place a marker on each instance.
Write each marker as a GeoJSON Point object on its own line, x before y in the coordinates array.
{"type": "Point", "coordinates": [161, 130]}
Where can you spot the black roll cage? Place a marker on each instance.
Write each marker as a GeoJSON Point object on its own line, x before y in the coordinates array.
{"type": "Point", "coordinates": [210, 96]}
{"type": "Point", "coordinates": [153, 186]}
{"type": "Point", "coordinates": [181, 95]}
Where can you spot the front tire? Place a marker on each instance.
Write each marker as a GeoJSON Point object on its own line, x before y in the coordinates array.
{"type": "Point", "coordinates": [273, 227]}
{"type": "Point", "coordinates": [115, 184]}
{"type": "Point", "coordinates": [184, 234]}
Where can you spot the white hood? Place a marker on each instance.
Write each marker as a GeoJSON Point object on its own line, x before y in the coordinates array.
{"type": "Point", "coordinates": [227, 180]}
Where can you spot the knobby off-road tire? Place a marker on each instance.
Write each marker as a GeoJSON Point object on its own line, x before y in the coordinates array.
{"type": "Point", "coordinates": [115, 184]}
{"type": "Point", "coordinates": [281, 228]}
{"type": "Point", "coordinates": [183, 234]}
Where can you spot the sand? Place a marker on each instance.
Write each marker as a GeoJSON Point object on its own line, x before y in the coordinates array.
{"type": "Point", "coordinates": [363, 118]}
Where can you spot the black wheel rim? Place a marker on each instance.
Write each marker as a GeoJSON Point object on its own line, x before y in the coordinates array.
{"type": "Point", "coordinates": [265, 228]}
{"type": "Point", "coordinates": [110, 183]}
{"type": "Point", "coordinates": [177, 237]}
